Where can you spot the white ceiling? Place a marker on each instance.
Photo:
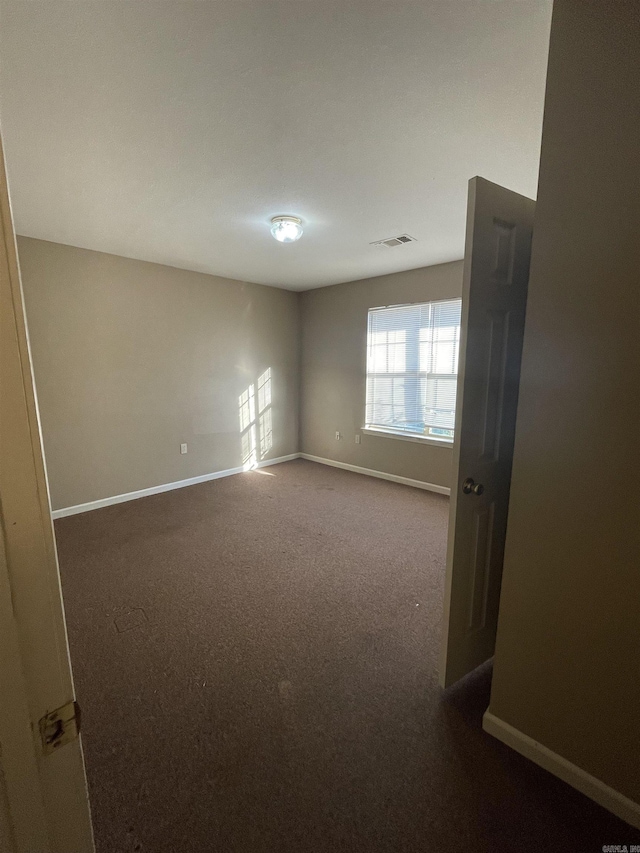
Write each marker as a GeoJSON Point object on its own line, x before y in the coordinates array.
{"type": "Point", "coordinates": [173, 131]}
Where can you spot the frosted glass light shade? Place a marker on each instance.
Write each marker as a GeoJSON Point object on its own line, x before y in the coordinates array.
{"type": "Point", "coordinates": [286, 229]}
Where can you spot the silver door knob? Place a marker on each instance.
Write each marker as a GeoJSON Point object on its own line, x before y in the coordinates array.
{"type": "Point", "coordinates": [470, 486]}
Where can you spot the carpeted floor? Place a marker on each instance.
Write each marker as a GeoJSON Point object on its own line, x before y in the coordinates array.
{"type": "Point", "coordinates": [256, 658]}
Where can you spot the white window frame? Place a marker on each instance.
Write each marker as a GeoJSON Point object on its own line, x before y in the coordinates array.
{"type": "Point", "coordinates": [407, 436]}
{"type": "Point", "coordinates": [389, 432]}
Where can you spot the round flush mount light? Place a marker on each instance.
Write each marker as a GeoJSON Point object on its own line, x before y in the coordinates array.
{"type": "Point", "coordinates": [286, 229]}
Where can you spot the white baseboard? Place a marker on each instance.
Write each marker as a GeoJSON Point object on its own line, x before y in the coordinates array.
{"type": "Point", "coordinates": [381, 475]}
{"type": "Point", "coordinates": [593, 788]}
{"type": "Point", "coordinates": [216, 475]}
{"type": "Point", "coordinates": [166, 487]}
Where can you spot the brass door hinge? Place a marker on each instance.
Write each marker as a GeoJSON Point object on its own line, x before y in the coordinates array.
{"type": "Point", "coordinates": [59, 727]}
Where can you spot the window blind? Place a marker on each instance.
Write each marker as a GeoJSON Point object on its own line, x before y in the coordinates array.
{"type": "Point", "coordinates": [412, 368]}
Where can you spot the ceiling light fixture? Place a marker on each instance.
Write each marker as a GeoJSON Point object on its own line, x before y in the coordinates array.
{"type": "Point", "coordinates": [286, 229]}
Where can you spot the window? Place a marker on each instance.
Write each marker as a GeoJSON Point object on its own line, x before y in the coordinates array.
{"type": "Point", "coordinates": [412, 368]}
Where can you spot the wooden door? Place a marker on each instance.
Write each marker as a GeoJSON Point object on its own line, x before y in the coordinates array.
{"type": "Point", "coordinates": [496, 272]}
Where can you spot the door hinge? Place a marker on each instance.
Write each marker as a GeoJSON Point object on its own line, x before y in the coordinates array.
{"type": "Point", "coordinates": [59, 727]}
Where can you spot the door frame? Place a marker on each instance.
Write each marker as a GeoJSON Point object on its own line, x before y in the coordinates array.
{"type": "Point", "coordinates": [23, 819]}
{"type": "Point", "coordinates": [44, 803]}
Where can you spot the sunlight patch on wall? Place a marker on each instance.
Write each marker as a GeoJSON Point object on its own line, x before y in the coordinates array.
{"type": "Point", "coordinates": [256, 427]}
{"type": "Point", "coordinates": [264, 410]}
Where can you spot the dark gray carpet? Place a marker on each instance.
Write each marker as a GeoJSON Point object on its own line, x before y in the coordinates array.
{"type": "Point", "coordinates": [256, 660]}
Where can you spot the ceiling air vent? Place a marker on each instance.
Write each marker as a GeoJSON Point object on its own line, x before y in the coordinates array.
{"type": "Point", "coordinates": [390, 242]}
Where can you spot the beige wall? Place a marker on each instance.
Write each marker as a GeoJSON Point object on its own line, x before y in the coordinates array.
{"type": "Point", "coordinates": [567, 663]}
{"type": "Point", "coordinates": [131, 359]}
{"type": "Point", "coordinates": [334, 340]}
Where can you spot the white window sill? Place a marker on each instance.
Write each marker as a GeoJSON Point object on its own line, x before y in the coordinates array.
{"type": "Point", "coordinates": [420, 439]}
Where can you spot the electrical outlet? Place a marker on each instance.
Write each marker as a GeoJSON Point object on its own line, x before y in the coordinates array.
{"type": "Point", "coordinates": [338, 436]}
{"type": "Point", "coordinates": [357, 438]}
{"type": "Point", "coordinates": [183, 448]}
